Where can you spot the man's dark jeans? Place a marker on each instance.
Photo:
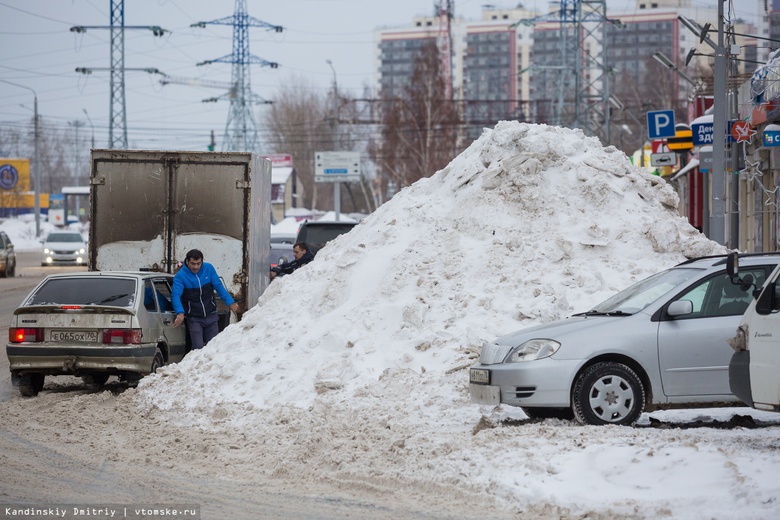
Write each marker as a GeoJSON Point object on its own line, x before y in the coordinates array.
{"type": "Point", "coordinates": [202, 330]}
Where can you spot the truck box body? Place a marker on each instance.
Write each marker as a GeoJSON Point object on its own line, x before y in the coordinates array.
{"type": "Point", "coordinates": [148, 208]}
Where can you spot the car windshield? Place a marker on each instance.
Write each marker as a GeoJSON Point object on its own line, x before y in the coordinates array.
{"type": "Point", "coordinates": [642, 294]}
{"type": "Point", "coordinates": [64, 237]}
{"type": "Point", "coordinates": [117, 292]}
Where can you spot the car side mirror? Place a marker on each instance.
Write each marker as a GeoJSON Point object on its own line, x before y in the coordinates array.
{"type": "Point", "coordinates": [766, 299]}
{"type": "Point", "coordinates": [680, 308]}
{"type": "Point", "coordinates": [732, 265]}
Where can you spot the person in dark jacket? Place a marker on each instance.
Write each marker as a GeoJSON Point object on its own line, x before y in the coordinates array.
{"type": "Point", "coordinates": [302, 257]}
{"type": "Point", "coordinates": [192, 296]}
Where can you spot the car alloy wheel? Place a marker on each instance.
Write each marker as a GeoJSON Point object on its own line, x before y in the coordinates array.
{"type": "Point", "coordinates": [608, 393]}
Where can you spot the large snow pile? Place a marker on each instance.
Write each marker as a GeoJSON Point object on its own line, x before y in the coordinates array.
{"type": "Point", "coordinates": [357, 362]}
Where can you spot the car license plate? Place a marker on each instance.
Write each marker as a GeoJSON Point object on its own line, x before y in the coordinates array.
{"type": "Point", "coordinates": [89, 336]}
{"type": "Point", "coordinates": [479, 376]}
{"type": "Point", "coordinates": [485, 394]}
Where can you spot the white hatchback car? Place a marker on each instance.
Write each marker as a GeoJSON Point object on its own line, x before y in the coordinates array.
{"type": "Point", "coordinates": [64, 248]}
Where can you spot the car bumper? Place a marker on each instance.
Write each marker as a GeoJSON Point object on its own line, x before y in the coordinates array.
{"type": "Point", "coordinates": [68, 259]}
{"type": "Point", "coordinates": [544, 382]}
{"type": "Point", "coordinates": [61, 360]}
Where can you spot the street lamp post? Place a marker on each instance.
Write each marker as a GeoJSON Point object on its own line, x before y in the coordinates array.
{"type": "Point", "coordinates": [91, 126]}
{"type": "Point", "coordinates": [36, 170]}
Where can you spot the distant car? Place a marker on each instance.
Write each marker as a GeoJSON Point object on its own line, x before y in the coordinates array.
{"type": "Point", "coordinates": [7, 256]}
{"type": "Point", "coordinates": [94, 325]}
{"type": "Point", "coordinates": [64, 248]}
{"type": "Point", "coordinates": [282, 238]}
{"type": "Point", "coordinates": [317, 233]}
{"type": "Point", "coordinates": [281, 254]}
{"type": "Point", "coordinates": [660, 343]}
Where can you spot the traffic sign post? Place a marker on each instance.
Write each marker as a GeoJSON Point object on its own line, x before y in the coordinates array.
{"type": "Point", "coordinates": [336, 167]}
{"type": "Point", "coordinates": [660, 124]}
{"type": "Point", "coordinates": [702, 134]}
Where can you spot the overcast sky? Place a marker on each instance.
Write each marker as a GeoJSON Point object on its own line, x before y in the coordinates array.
{"type": "Point", "coordinates": [38, 51]}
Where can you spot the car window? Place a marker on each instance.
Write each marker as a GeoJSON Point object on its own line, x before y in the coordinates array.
{"type": "Point", "coordinates": [718, 296]}
{"type": "Point", "coordinates": [163, 290]}
{"type": "Point", "coordinates": [645, 292]}
{"type": "Point", "coordinates": [150, 302]}
{"type": "Point", "coordinates": [64, 237]}
{"type": "Point", "coordinates": [117, 292]}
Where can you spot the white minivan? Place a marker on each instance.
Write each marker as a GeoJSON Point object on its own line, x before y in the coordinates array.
{"type": "Point", "coordinates": [754, 370]}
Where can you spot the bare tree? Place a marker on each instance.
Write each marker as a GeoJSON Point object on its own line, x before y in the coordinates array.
{"type": "Point", "coordinates": [420, 129]}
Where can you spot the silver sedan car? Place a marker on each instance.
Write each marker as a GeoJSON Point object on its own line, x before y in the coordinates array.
{"type": "Point", "coordinates": [660, 343]}
{"type": "Point", "coordinates": [94, 325]}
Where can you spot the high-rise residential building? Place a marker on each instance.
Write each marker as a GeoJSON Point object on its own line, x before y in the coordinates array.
{"type": "Point", "coordinates": [517, 64]}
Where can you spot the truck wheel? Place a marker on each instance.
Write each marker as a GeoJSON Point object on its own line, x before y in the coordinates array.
{"type": "Point", "coordinates": [95, 381]}
{"type": "Point", "coordinates": [30, 384]}
{"type": "Point", "coordinates": [608, 393]}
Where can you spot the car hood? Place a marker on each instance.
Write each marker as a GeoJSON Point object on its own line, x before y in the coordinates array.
{"type": "Point", "coordinates": [68, 246]}
{"type": "Point", "coordinates": [562, 329]}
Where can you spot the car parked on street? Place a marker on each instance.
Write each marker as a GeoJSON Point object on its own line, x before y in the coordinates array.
{"type": "Point", "coordinates": [94, 325]}
{"type": "Point", "coordinates": [315, 234]}
{"type": "Point", "coordinates": [660, 343]}
{"type": "Point", "coordinates": [7, 256]}
{"type": "Point", "coordinates": [64, 248]}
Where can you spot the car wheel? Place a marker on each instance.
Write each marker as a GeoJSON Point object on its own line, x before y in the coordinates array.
{"type": "Point", "coordinates": [12, 272]}
{"type": "Point", "coordinates": [157, 362]}
{"type": "Point", "coordinates": [31, 384]}
{"type": "Point", "coordinates": [95, 381]}
{"type": "Point", "coordinates": [608, 393]}
{"type": "Point", "coordinates": [549, 413]}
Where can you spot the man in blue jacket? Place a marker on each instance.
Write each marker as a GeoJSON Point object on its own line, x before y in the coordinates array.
{"type": "Point", "coordinates": [193, 296]}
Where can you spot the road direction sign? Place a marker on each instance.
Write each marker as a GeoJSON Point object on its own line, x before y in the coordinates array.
{"type": "Point", "coordinates": [663, 159]}
{"type": "Point", "coordinates": [336, 166]}
{"type": "Point", "coordinates": [660, 124]}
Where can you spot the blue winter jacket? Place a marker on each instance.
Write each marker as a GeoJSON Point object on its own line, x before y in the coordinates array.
{"type": "Point", "coordinates": [193, 294]}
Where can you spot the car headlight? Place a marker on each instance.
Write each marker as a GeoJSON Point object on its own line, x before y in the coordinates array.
{"type": "Point", "coordinates": [533, 349]}
{"type": "Point", "coordinates": [81, 251]}
{"type": "Point", "coordinates": [46, 250]}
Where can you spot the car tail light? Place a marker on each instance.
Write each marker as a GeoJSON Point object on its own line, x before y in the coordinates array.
{"type": "Point", "coordinates": [122, 336]}
{"type": "Point", "coordinates": [25, 335]}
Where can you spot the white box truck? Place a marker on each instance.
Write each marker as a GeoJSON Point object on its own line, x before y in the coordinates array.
{"type": "Point", "coordinates": [148, 208]}
{"type": "Point", "coordinates": [754, 370]}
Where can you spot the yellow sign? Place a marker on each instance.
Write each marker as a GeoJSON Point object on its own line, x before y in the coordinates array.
{"type": "Point", "coordinates": [14, 175]}
{"type": "Point", "coordinates": [682, 141]}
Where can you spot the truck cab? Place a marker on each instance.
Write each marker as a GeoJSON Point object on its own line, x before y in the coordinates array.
{"type": "Point", "coordinates": [754, 370]}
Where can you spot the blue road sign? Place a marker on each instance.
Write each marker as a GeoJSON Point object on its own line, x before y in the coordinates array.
{"type": "Point", "coordinates": [702, 134]}
{"type": "Point", "coordinates": [660, 124]}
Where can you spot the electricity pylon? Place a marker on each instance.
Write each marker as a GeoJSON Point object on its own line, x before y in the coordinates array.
{"type": "Point", "coordinates": [241, 129]}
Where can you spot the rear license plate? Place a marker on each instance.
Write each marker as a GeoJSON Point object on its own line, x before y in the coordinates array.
{"type": "Point", "coordinates": [89, 336]}
{"type": "Point", "coordinates": [479, 376]}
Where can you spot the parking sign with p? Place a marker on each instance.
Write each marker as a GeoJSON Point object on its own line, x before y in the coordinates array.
{"type": "Point", "coordinates": [660, 124]}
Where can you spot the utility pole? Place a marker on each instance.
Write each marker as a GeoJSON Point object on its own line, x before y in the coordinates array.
{"type": "Point", "coordinates": [117, 123]}
{"type": "Point", "coordinates": [334, 126]}
{"type": "Point", "coordinates": [36, 157]}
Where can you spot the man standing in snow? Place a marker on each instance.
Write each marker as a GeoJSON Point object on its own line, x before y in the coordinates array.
{"type": "Point", "coordinates": [193, 296]}
{"type": "Point", "coordinates": [302, 257]}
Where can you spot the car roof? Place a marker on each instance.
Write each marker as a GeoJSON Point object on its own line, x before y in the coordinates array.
{"type": "Point", "coordinates": [92, 274]}
{"type": "Point", "coordinates": [744, 259]}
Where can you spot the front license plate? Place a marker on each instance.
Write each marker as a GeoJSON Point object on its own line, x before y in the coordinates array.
{"type": "Point", "coordinates": [88, 336]}
{"type": "Point", "coordinates": [485, 394]}
{"type": "Point", "coordinates": [479, 376]}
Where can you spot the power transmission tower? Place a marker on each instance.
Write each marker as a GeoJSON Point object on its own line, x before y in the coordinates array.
{"type": "Point", "coordinates": [583, 71]}
{"type": "Point", "coordinates": [117, 123]}
{"type": "Point", "coordinates": [241, 129]}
